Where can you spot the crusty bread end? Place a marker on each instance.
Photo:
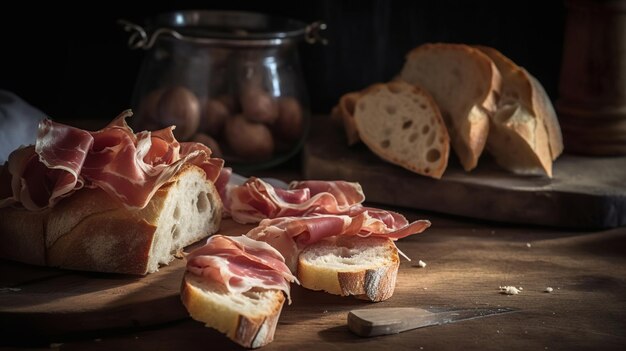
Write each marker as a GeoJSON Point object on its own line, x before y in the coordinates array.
{"type": "Point", "coordinates": [524, 134]}
{"type": "Point", "coordinates": [248, 319]}
{"type": "Point", "coordinates": [363, 267]}
{"type": "Point", "coordinates": [91, 231]}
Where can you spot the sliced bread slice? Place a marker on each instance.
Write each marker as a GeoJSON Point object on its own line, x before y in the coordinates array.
{"type": "Point", "coordinates": [401, 123]}
{"type": "Point", "coordinates": [248, 318]}
{"type": "Point", "coordinates": [351, 265]}
{"type": "Point", "coordinates": [524, 134]}
{"type": "Point", "coordinates": [464, 83]}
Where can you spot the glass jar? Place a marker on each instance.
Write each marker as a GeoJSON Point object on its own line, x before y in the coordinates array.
{"type": "Point", "coordinates": [231, 80]}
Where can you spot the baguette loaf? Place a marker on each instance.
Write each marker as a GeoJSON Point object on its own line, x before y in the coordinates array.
{"type": "Point", "coordinates": [91, 231]}
{"type": "Point", "coordinates": [524, 134]}
{"type": "Point", "coordinates": [351, 265]}
{"type": "Point", "coordinates": [248, 318]}
{"type": "Point", "coordinates": [401, 123]}
{"type": "Point", "coordinates": [464, 82]}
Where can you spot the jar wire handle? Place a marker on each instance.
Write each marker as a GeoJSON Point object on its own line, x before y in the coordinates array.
{"type": "Point", "coordinates": [312, 33]}
{"type": "Point", "coordinates": [139, 38]}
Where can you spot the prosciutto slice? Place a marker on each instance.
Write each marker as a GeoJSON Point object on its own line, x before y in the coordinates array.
{"type": "Point", "coordinates": [44, 173]}
{"type": "Point", "coordinates": [133, 167]}
{"type": "Point", "coordinates": [130, 167]}
{"type": "Point", "coordinates": [289, 235]}
{"type": "Point", "coordinates": [256, 200]}
{"type": "Point", "coordinates": [240, 264]}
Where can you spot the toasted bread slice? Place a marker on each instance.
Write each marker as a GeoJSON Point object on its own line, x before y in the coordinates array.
{"type": "Point", "coordinates": [464, 82]}
{"type": "Point", "coordinates": [351, 265]}
{"type": "Point", "coordinates": [524, 134]}
{"type": "Point", "coordinates": [248, 318]}
{"type": "Point", "coordinates": [401, 123]}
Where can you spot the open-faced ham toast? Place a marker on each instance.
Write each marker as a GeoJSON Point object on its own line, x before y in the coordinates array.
{"type": "Point", "coordinates": [351, 266]}
{"type": "Point", "coordinates": [237, 285]}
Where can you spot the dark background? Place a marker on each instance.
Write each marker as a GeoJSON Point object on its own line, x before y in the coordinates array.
{"type": "Point", "coordinates": [72, 62]}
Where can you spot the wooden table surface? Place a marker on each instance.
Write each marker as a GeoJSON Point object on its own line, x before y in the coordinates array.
{"type": "Point", "coordinates": [467, 261]}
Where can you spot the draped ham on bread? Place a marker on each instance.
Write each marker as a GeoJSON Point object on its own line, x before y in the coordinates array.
{"type": "Point", "coordinates": [256, 200]}
{"type": "Point", "coordinates": [346, 194]}
{"type": "Point", "coordinates": [289, 235]}
{"type": "Point", "coordinates": [130, 167]}
{"type": "Point", "coordinates": [240, 264]}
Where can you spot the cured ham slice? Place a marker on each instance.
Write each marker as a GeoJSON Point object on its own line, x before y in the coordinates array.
{"type": "Point", "coordinates": [133, 167]}
{"type": "Point", "coordinates": [44, 173]}
{"type": "Point", "coordinates": [346, 193]}
{"type": "Point", "coordinates": [289, 235]}
{"type": "Point", "coordinates": [256, 200]}
{"type": "Point", "coordinates": [240, 264]}
{"type": "Point", "coordinates": [211, 166]}
{"type": "Point", "coordinates": [130, 167]}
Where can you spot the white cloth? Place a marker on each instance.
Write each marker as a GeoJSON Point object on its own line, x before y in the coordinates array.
{"type": "Point", "coordinates": [18, 123]}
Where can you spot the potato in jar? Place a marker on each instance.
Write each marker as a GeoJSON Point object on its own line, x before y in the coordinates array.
{"type": "Point", "coordinates": [179, 106]}
{"type": "Point", "coordinates": [290, 121]}
{"type": "Point", "coordinates": [249, 140]}
{"type": "Point", "coordinates": [213, 117]}
{"type": "Point", "coordinates": [258, 106]}
{"type": "Point", "coordinates": [230, 102]}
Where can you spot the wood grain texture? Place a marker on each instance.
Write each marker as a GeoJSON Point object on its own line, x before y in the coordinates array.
{"type": "Point", "coordinates": [584, 192]}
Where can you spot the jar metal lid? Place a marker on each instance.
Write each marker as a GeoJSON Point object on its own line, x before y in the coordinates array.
{"type": "Point", "coordinates": [226, 28]}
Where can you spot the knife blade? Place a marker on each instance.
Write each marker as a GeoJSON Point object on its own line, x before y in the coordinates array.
{"type": "Point", "coordinates": [393, 320]}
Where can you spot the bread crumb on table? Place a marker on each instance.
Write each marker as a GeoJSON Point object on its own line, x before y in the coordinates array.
{"type": "Point", "coordinates": [510, 290]}
{"type": "Point", "coordinates": [528, 245]}
{"type": "Point", "coordinates": [421, 264]}
{"type": "Point", "coordinates": [548, 290]}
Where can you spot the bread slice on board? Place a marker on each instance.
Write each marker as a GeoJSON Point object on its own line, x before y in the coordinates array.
{"type": "Point", "coordinates": [401, 123]}
{"type": "Point", "coordinates": [351, 265]}
{"type": "Point", "coordinates": [464, 83]}
{"type": "Point", "coordinates": [91, 231]}
{"type": "Point", "coordinates": [248, 318]}
{"type": "Point", "coordinates": [525, 136]}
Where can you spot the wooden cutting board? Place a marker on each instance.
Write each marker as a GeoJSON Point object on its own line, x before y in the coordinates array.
{"type": "Point", "coordinates": [585, 192]}
{"type": "Point", "coordinates": [43, 301]}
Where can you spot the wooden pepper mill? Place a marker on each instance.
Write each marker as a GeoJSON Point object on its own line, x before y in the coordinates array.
{"type": "Point", "coordinates": [592, 87]}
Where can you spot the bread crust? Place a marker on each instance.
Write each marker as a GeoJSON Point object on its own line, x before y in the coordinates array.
{"type": "Point", "coordinates": [246, 329]}
{"type": "Point", "coordinates": [372, 283]}
{"type": "Point", "coordinates": [545, 109]}
{"type": "Point", "coordinates": [92, 231]}
{"type": "Point", "coordinates": [22, 235]}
